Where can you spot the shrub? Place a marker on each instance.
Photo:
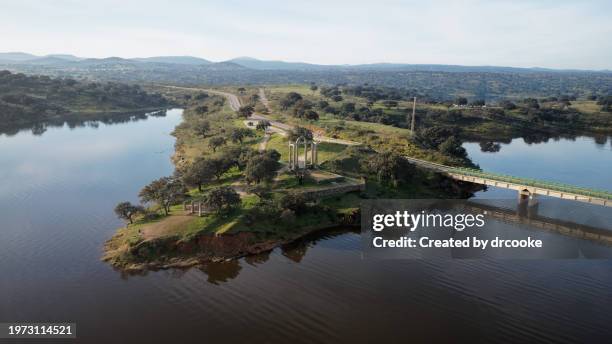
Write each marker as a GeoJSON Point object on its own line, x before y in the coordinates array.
{"type": "Point", "coordinates": [293, 201]}
{"type": "Point", "coordinates": [287, 216]}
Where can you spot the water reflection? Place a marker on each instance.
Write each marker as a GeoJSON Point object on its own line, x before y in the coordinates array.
{"type": "Point", "coordinates": [490, 147]}
{"type": "Point", "coordinates": [76, 120]}
{"type": "Point", "coordinates": [525, 213]}
{"type": "Point", "coordinates": [295, 251]}
{"type": "Point", "coordinates": [573, 160]}
{"type": "Point", "coordinates": [56, 212]}
{"type": "Point", "coordinates": [221, 272]}
{"type": "Point", "coordinates": [540, 138]}
{"type": "Point", "coordinates": [257, 259]}
{"type": "Point", "coordinates": [576, 239]}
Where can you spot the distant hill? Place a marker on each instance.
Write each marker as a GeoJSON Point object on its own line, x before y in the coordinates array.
{"type": "Point", "coordinates": [186, 60]}
{"type": "Point", "coordinates": [440, 82]}
{"type": "Point", "coordinates": [454, 68]}
{"type": "Point", "coordinates": [105, 61]}
{"type": "Point", "coordinates": [66, 57]}
{"type": "Point", "coordinates": [16, 56]}
{"type": "Point", "coordinates": [227, 66]}
{"type": "Point", "coordinates": [56, 59]}
{"type": "Point", "coordinates": [439, 68]}
{"type": "Point", "coordinates": [256, 64]}
{"type": "Point", "coordinates": [253, 63]}
{"type": "Point", "coordinates": [49, 60]}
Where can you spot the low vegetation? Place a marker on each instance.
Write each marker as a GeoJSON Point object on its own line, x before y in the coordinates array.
{"type": "Point", "coordinates": [231, 169]}
{"type": "Point", "coordinates": [368, 111]}
{"type": "Point", "coordinates": [430, 81]}
{"type": "Point", "coordinates": [31, 99]}
{"type": "Point", "coordinates": [244, 190]}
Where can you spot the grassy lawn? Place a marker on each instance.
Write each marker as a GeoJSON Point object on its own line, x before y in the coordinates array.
{"type": "Point", "coordinates": [280, 144]}
{"type": "Point", "coordinates": [221, 119]}
{"type": "Point", "coordinates": [288, 181]}
{"type": "Point", "coordinates": [586, 106]}
{"type": "Point", "coordinates": [228, 178]}
{"type": "Point", "coordinates": [301, 89]}
{"type": "Point", "coordinates": [194, 147]}
{"type": "Point", "coordinates": [377, 135]}
{"type": "Point", "coordinates": [184, 226]}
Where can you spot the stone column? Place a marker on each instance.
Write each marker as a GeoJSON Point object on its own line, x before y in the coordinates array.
{"type": "Point", "coordinates": [291, 152]}
{"type": "Point", "coordinates": [313, 152]}
{"type": "Point", "coordinates": [306, 146]}
{"type": "Point", "coordinates": [306, 149]}
{"type": "Point", "coordinates": [296, 150]}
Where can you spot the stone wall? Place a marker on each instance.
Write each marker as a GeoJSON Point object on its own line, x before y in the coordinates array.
{"type": "Point", "coordinates": [333, 191]}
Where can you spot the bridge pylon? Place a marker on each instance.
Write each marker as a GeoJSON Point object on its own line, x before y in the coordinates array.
{"type": "Point", "coordinates": [528, 203]}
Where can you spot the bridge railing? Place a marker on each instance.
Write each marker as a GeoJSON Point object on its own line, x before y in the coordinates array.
{"type": "Point", "coordinates": [516, 180]}
{"type": "Point", "coordinates": [530, 182]}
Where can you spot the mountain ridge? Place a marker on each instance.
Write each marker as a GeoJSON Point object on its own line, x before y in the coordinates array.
{"type": "Point", "coordinates": [278, 65]}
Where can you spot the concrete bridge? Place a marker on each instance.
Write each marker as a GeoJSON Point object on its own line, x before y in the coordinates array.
{"type": "Point", "coordinates": [527, 188]}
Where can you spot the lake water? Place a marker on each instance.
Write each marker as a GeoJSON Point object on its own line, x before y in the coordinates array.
{"type": "Point", "coordinates": [57, 192]}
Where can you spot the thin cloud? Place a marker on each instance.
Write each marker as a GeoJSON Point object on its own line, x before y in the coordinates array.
{"type": "Point", "coordinates": [556, 34]}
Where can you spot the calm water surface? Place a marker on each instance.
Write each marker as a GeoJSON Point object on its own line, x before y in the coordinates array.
{"type": "Point", "coordinates": [57, 192]}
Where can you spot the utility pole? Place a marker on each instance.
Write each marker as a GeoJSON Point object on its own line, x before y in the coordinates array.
{"type": "Point", "coordinates": [413, 114]}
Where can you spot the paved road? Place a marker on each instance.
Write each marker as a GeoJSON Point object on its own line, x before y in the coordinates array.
{"type": "Point", "coordinates": [285, 127]}
{"type": "Point", "coordinates": [277, 126]}
{"type": "Point", "coordinates": [264, 99]}
{"type": "Point", "coordinates": [234, 102]}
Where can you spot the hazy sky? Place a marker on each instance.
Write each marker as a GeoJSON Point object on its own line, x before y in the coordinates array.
{"type": "Point", "coordinates": [556, 34]}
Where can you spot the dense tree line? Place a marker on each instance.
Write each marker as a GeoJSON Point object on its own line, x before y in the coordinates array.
{"type": "Point", "coordinates": [523, 115]}
{"type": "Point", "coordinates": [298, 106]}
{"type": "Point", "coordinates": [386, 167]}
{"type": "Point", "coordinates": [25, 99]}
{"type": "Point", "coordinates": [440, 85]}
{"type": "Point", "coordinates": [380, 93]}
{"type": "Point", "coordinates": [443, 139]}
{"type": "Point", "coordinates": [606, 103]}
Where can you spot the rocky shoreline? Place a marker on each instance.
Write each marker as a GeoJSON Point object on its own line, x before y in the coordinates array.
{"type": "Point", "coordinates": [172, 252]}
